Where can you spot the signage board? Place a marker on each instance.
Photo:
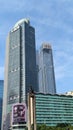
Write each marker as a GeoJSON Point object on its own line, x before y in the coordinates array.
{"type": "Point", "coordinates": [18, 113]}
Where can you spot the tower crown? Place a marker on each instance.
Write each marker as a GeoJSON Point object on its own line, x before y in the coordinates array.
{"type": "Point", "coordinates": [46, 46]}
{"type": "Point", "coordinates": [17, 25]}
{"type": "Point", "coordinates": [21, 21]}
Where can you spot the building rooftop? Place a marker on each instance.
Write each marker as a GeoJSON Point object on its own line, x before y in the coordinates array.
{"type": "Point", "coordinates": [69, 93]}
{"type": "Point", "coordinates": [21, 21]}
{"type": "Point", "coordinates": [61, 95]}
{"type": "Point", "coordinates": [46, 46]}
{"type": "Point", "coordinates": [16, 26]}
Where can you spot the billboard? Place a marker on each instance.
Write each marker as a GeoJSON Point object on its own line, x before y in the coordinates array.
{"type": "Point", "coordinates": [19, 113]}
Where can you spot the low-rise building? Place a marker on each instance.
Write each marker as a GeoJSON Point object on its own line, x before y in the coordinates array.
{"type": "Point", "coordinates": [50, 109]}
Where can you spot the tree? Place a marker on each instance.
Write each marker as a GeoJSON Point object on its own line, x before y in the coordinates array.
{"type": "Point", "coordinates": [62, 125]}
{"type": "Point", "coordinates": [43, 127]}
{"type": "Point", "coordinates": [38, 127]}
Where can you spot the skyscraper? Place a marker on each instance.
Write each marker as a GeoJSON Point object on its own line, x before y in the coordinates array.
{"type": "Point", "coordinates": [46, 70]}
{"type": "Point", "coordinates": [20, 69]}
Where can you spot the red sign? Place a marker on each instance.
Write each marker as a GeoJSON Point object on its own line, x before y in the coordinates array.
{"type": "Point", "coordinates": [19, 113]}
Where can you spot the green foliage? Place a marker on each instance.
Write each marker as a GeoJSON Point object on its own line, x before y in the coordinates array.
{"type": "Point", "coordinates": [50, 128]}
{"type": "Point", "coordinates": [62, 126]}
{"type": "Point", "coordinates": [43, 127]}
{"type": "Point", "coordinates": [38, 127]}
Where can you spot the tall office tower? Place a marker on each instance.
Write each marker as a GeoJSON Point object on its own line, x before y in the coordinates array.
{"type": "Point", "coordinates": [1, 99]}
{"type": "Point", "coordinates": [37, 66]}
{"type": "Point", "coordinates": [20, 69]}
{"type": "Point", "coordinates": [46, 70]}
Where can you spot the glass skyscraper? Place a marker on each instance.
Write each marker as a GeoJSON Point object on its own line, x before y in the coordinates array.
{"type": "Point", "coordinates": [46, 70]}
{"type": "Point", "coordinates": [20, 69]}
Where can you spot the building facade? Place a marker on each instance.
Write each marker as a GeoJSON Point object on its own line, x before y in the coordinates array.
{"type": "Point", "coordinates": [46, 70]}
{"type": "Point", "coordinates": [1, 88]}
{"type": "Point", "coordinates": [20, 69]}
{"type": "Point", "coordinates": [51, 109]}
{"type": "Point", "coordinates": [1, 99]}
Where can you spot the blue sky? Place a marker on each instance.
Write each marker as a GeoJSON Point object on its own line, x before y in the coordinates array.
{"type": "Point", "coordinates": [53, 22]}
